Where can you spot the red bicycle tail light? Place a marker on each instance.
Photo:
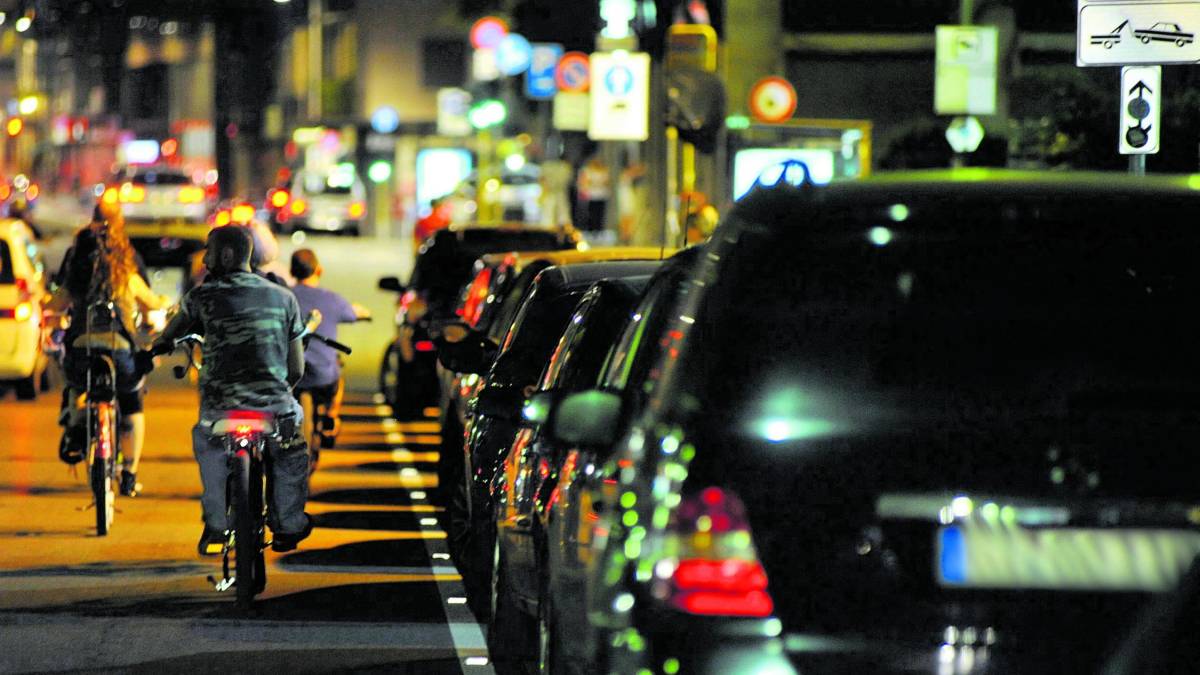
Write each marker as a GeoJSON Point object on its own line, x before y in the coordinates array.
{"type": "Point", "coordinates": [424, 345]}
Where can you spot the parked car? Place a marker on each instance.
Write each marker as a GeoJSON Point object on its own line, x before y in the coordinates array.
{"type": "Point", "coordinates": [408, 373]}
{"type": "Point", "coordinates": [487, 307]}
{"type": "Point", "coordinates": [165, 212]}
{"type": "Point", "coordinates": [523, 490]}
{"type": "Point", "coordinates": [495, 408]}
{"type": "Point", "coordinates": [22, 288]}
{"type": "Point", "coordinates": [917, 420]}
{"type": "Point", "coordinates": [334, 201]}
{"type": "Point", "coordinates": [518, 191]}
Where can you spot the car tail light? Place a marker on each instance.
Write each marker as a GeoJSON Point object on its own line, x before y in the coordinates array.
{"type": "Point", "coordinates": [299, 206]}
{"type": "Point", "coordinates": [710, 566]}
{"type": "Point", "coordinates": [424, 345]}
{"type": "Point", "coordinates": [278, 198]}
{"type": "Point", "coordinates": [23, 311]}
{"type": "Point", "coordinates": [191, 194]}
{"type": "Point", "coordinates": [357, 209]}
{"type": "Point", "coordinates": [242, 214]}
{"type": "Point", "coordinates": [32, 192]}
{"type": "Point", "coordinates": [476, 295]}
{"type": "Point", "coordinates": [109, 196]}
{"type": "Point", "coordinates": [132, 194]}
{"type": "Point", "coordinates": [222, 218]}
{"type": "Point", "coordinates": [5, 191]}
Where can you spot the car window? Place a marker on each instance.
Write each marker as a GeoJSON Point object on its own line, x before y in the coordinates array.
{"type": "Point", "coordinates": [633, 353]}
{"type": "Point", "coordinates": [6, 264]}
{"type": "Point", "coordinates": [554, 377]}
{"type": "Point", "coordinates": [159, 178]}
{"type": "Point", "coordinates": [511, 303]}
{"type": "Point", "coordinates": [584, 346]}
{"type": "Point", "coordinates": [531, 338]}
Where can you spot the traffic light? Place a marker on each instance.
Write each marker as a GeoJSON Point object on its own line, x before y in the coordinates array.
{"type": "Point", "coordinates": [487, 113]}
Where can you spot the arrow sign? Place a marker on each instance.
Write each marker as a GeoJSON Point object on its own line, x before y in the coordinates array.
{"type": "Point", "coordinates": [1140, 110]}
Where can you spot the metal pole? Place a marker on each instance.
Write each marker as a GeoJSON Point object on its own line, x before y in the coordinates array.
{"type": "Point", "coordinates": [1137, 165]}
{"type": "Point", "coordinates": [966, 12]}
{"type": "Point", "coordinates": [316, 59]}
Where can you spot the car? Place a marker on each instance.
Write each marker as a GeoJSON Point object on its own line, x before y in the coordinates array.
{"type": "Point", "coordinates": [165, 212]}
{"type": "Point", "coordinates": [408, 373]}
{"type": "Point", "coordinates": [22, 288]}
{"type": "Point", "coordinates": [919, 419]}
{"type": "Point", "coordinates": [495, 407]}
{"type": "Point", "coordinates": [333, 201]}
{"type": "Point", "coordinates": [518, 191]}
{"type": "Point", "coordinates": [523, 490]}
{"type": "Point", "coordinates": [487, 307]}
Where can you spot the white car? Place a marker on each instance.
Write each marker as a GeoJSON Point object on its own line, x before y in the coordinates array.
{"type": "Point", "coordinates": [327, 202]}
{"type": "Point", "coordinates": [519, 193]}
{"type": "Point", "coordinates": [166, 213]}
{"type": "Point", "coordinates": [22, 288]}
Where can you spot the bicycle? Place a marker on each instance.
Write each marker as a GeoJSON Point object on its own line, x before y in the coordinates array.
{"type": "Point", "coordinates": [245, 435]}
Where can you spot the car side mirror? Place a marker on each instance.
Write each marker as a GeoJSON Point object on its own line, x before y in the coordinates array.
{"type": "Point", "coordinates": [391, 284]}
{"type": "Point", "coordinates": [501, 402]}
{"type": "Point", "coordinates": [589, 418]}
{"type": "Point", "coordinates": [474, 353]}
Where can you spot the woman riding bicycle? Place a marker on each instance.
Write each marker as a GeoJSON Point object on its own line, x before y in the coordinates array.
{"type": "Point", "coordinates": [101, 269]}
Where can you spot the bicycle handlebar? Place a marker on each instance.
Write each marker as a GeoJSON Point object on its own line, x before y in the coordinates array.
{"type": "Point", "coordinates": [329, 341]}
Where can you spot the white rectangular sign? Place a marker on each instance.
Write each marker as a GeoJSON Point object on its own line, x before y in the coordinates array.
{"type": "Point", "coordinates": [1140, 109]}
{"type": "Point", "coordinates": [965, 70]}
{"type": "Point", "coordinates": [1128, 32]}
{"type": "Point", "coordinates": [620, 92]}
{"type": "Point", "coordinates": [571, 111]}
{"type": "Point", "coordinates": [452, 111]}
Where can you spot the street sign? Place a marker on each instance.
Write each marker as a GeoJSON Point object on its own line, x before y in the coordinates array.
{"type": "Point", "coordinates": [539, 79]}
{"type": "Point", "coordinates": [483, 65]}
{"type": "Point", "coordinates": [965, 70]}
{"type": "Point", "coordinates": [487, 32]}
{"type": "Point", "coordinates": [1140, 107]}
{"type": "Point", "coordinates": [772, 100]}
{"type": "Point", "coordinates": [571, 111]}
{"type": "Point", "coordinates": [964, 134]}
{"type": "Point", "coordinates": [620, 101]}
{"type": "Point", "coordinates": [453, 104]}
{"type": "Point", "coordinates": [574, 72]}
{"type": "Point", "coordinates": [1129, 32]}
{"type": "Point", "coordinates": [513, 54]}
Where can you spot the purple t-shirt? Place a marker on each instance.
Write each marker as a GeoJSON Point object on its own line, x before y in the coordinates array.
{"type": "Point", "coordinates": [320, 360]}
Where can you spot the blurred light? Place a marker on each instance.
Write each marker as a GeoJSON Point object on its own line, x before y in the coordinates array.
{"type": "Point", "coordinates": [513, 54]}
{"type": "Point", "coordinates": [5, 191]}
{"type": "Point", "coordinates": [737, 122]}
{"type": "Point", "coordinates": [299, 206]}
{"type": "Point", "coordinates": [210, 177]}
{"type": "Point", "coordinates": [14, 126]}
{"type": "Point", "coordinates": [23, 24]}
{"type": "Point", "coordinates": [487, 113]}
{"type": "Point", "coordinates": [28, 105]}
{"type": "Point", "coordinates": [514, 162]}
{"type": "Point", "coordinates": [23, 311]}
{"type": "Point", "coordinates": [880, 236]}
{"type": "Point", "coordinates": [191, 194]}
{"type": "Point", "coordinates": [141, 152]}
{"type": "Point", "coordinates": [307, 135]}
{"type": "Point", "coordinates": [385, 119]}
{"type": "Point", "coordinates": [3, 16]}
{"type": "Point", "coordinates": [279, 198]}
{"type": "Point", "coordinates": [242, 214]}
{"type": "Point", "coordinates": [379, 171]}
{"type": "Point", "coordinates": [476, 661]}
{"type": "Point", "coordinates": [33, 192]}
{"type": "Point", "coordinates": [492, 184]}
{"type": "Point", "coordinates": [487, 32]}
{"type": "Point", "coordinates": [110, 196]}
{"type": "Point", "coordinates": [898, 212]}
{"type": "Point", "coordinates": [131, 193]}
{"type": "Point", "coordinates": [222, 218]}
{"type": "Point", "coordinates": [357, 209]}
{"type": "Point", "coordinates": [169, 147]}
{"type": "Point", "coordinates": [961, 506]}
{"type": "Point", "coordinates": [282, 2]}
{"type": "Point", "coordinates": [20, 181]}
{"type": "Point", "coordinates": [169, 28]}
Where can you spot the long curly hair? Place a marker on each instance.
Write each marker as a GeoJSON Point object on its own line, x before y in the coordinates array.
{"type": "Point", "coordinates": [104, 242]}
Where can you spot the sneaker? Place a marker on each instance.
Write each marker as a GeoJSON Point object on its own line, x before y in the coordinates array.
{"type": "Point", "coordinates": [283, 541]}
{"type": "Point", "coordinates": [211, 539]}
{"type": "Point", "coordinates": [129, 485]}
{"type": "Point", "coordinates": [72, 448]}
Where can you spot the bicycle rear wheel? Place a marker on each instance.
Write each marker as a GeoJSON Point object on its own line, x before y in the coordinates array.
{"type": "Point", "coordinates": [102, 452]}
{"type": "Point", "coordinates": [245, 542]}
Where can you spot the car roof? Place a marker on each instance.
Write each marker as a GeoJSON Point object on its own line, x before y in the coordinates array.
{"type": "Point", "coordinates": [565, 278]}
{"type": "Point", "coordinates": [981, 183]}
{"type": "Point", "coordinates": [518, 260]}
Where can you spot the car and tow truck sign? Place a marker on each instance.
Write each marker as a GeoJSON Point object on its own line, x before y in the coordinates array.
{"type": "Point", "coordinates": [1130, 33]}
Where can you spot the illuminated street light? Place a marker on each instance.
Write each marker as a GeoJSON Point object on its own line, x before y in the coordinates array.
{"type": "Point", "coordinates": [14, 126]}
{"type": "Point", "coordinates": [23, 24]}
{"type": "Point", "coordinates": [379, 171]}
{"type": "Point", "coordinates": [28, 105]}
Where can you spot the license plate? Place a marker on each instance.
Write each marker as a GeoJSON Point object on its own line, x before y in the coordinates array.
{"type": "Point", "coordinates": [1012, 557]}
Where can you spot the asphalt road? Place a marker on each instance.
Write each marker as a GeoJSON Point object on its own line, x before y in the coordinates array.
{"type": "Point", "coordinates": [372, 590]}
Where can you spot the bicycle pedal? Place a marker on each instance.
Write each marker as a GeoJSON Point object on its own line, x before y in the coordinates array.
{"type": "Point", "coordinates": [222, 585]}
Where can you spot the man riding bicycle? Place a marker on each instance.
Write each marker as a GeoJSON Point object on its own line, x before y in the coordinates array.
{"type": "Point", "coordinates": [253, 355]}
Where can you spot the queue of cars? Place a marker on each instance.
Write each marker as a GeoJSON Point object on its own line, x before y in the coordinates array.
{"type": "Point", "coordinates": [923, 422]}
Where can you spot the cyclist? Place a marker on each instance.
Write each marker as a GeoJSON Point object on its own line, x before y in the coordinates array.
{"type": "Point", "coordinates": [253, 356]}
{"type": "Point", "coordinates": [322, 371]}
{"type": "Point", "coordinates": [101, 268]}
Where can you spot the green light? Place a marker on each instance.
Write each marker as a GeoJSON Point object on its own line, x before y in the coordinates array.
{"type": "Point", "coordinates": [379, 171]}
{"type": "Point", "coordinates": [880, 236]}
{"type": "Point", "coordinates": [898, 212]}
{"type": "Point", "coordinates": [671, 666]}
{"type": "Point", "coordinates": [737, 122]}
{"type": "Point", "coordinates": [628, 500]}
{"type": "Point", "coordinates": [780, 429]}
{"type": "Point", "coordinates": [630, 518]}
{"type": "Point", "coordinates": [487, 113]}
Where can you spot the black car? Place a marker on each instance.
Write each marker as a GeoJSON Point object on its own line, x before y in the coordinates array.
{"type": "Point", "coordinates": [408, 373]}
{"type": "Point", "coordinates": [523, 491]}
{"type": "Point", "coordinates": [496, 407]}
{"type": "Point", "coordinates": [926, 422]}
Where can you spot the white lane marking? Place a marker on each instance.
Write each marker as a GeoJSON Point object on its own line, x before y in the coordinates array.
{"type": "Point", "coordinates": [417, 494]}
{"type": "Point", "coordinates": [429, 522]}
{"type": "Point", "coordinates": [409, 472]}
{"type": "Point", "coordinates": [379, 398]}
{"type": "Point", "coordinates": [456, 600]}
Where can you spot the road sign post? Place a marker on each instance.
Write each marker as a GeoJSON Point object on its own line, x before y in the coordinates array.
{"type": "Point", "coordinates": [1140, 110]}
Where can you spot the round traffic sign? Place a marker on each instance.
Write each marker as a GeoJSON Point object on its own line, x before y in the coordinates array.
{"type": "Point", "coordinates": [513, 54]}
{"type": "Point", "coordinates": [385, 119]}
{"type": "Point", "coordinates": [574, 72]}
{"type": "Point", "coordinates": [487, 32]}
{"type": "Point", "coordinates": [772, 100]}
{"type": "Point", "coordinates": [619, 80]}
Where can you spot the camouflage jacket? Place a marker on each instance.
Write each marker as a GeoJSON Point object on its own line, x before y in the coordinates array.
{"type": "Point", "coordinates": [248, 324]}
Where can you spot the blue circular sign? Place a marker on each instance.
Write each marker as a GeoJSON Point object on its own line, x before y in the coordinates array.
{"type": "Point", "coordinates": [513, 54]}
{"type": "Point", "coordinates": [619, 80]}
{"type": "Point", "coordinates": [385, 119]}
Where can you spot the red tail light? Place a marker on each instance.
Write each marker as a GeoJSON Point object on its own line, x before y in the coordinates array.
{"type": "Point", "coordinates": [714, 569]}
{"type": "Point", "coordinates": [424, 345]}
{"type": "Point", "coordinates": [279, 198]}
{"type": "Point", "coordinates": [357, 209]}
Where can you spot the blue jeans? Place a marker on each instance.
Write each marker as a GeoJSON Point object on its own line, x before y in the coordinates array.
{"type": "Point", "coordinates": [288, 476]}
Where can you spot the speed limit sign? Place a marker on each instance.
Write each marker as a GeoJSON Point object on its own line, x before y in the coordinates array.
{"type": "Point", "coordinates": [772, 100]}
